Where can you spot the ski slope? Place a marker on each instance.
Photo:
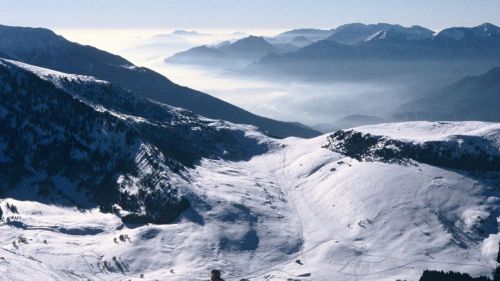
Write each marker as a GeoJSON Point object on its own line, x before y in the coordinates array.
{"type": "Point", "coordinates": [298, 212]}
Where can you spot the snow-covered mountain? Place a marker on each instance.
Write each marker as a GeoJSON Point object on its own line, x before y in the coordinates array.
{"type": "Point", "coordinates": [353, 52]}
{"type": "Point", "coordinates": [65, 136]}
{"type": "Point", "coordinates": [395, 42]}
{"type": "Point", "coordinates": [44, 48]}
{"type": "Point", "coordinates": [399, 32]}
{"type": "Point", "coordinates": [398, 43]}
{"type": "Point", "coordinates": [357, 32]}
{"type": "Point", "coordinates": [389, 52]}
{"type": "Point", "coordinates": [249, 49]}
{"type": "Point", "coordinates": [378, 202]}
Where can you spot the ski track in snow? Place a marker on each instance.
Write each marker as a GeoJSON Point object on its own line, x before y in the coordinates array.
{"type": "Point", "coordinates": [343, 219]}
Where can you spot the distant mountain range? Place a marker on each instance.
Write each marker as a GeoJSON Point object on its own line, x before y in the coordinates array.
{"type": "Point", "coordinates": [249, 49]}
{"type": "Point", "coordinates": [472, 98]}
{"type": "Point", "coordinates": [394, 42]}
{"type": "Point", "coordinates": [414, 56]}
{"type": "Point", "coordinates": [410, 55]}
{"type": "Point", "coordinates": [354, 33]}
{"type": "Point", "coordinates": [243, 51]}
{"type": "Point", "coordinates": [360, 51]}
{"type": "Point", "coordinates": [42, 47]}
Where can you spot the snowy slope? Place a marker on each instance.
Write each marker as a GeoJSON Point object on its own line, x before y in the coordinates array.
{"type": "Point", "coordinates": [77, 141]}
{"type": "Point", "coordinates": [422, 131]}
{"type": "Point", "coordinates": [298, 212]}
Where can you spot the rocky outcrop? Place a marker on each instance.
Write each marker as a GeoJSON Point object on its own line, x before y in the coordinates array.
{"type": "Point", "coordinates": [472, 153]}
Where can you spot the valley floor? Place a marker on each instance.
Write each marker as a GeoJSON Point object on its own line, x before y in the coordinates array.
{"type": "Point", "coordinates": [299, 212]}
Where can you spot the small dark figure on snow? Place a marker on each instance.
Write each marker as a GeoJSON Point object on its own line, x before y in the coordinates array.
{"type": "Point", "coordinates": [215, 275]}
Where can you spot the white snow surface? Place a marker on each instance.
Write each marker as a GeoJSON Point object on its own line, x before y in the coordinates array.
{"type": "Point", "coordinates": [299, 211]}
{"type": "Point", "coordinates": [382, 34]}
{"type": "Point", "coordinates": [52, 75]}
{"type": "Point", "coordinates": [421, 131]}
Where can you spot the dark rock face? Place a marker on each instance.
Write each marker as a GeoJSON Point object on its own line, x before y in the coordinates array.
{"type": "Point", "coordinates": [469, 153]}
{"type": "Point", "coordinates": [73, 136]}
{"type": "Point", "coordinates": [51, 135]}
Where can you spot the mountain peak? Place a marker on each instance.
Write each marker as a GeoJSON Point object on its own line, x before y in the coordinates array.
{"type": "Point", "coordinates": [354, 33]}
{"type": "Point", "coordinates": [311, 34]}
{"type": "Point", "coordinates": [489, 26]}
{"type": "Point", "coordinates": [251, 47]}
{"type": "Point", "coordinates": [486, 29]}
{"type": "Point", "coordinates": [480, 31]}
{"type": "Point", "coordinates": [414, 32]}
{"type": "Point", "coordinates": [253, 39]}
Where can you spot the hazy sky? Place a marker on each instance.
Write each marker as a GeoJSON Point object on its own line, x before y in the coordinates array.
{"type": "Point", "coordinates": [245, 14]}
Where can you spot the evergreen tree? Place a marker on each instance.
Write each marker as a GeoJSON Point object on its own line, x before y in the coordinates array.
{"type": "Point", "coordinates": [430, 275]}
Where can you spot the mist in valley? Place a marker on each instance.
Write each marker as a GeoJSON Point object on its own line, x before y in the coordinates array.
{"type": "Point", "coordinates": [325, 103]}
{"type": "Point", "coordinates": [319, 104]}
{"type": "Point", "coordinates": [310, 103]}
{"type": "Point", "coordinates": [325, 95]}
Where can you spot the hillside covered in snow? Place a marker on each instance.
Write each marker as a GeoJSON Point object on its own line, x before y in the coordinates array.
{"type": "Point", "coordinates": [68, 135]}
{"type": "Point", "coordinates": [99, 183]}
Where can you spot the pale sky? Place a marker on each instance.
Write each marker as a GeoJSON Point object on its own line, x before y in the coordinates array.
{"type": "Point", "coordinates": [244, 14]}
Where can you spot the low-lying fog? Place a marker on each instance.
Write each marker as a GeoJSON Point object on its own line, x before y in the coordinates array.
{"type": "Point", "coordinates": [311, 103]}
{"type": "Point", "coordinates": [305, 102]}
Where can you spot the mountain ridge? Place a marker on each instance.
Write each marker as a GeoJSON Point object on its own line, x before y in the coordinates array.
{"type": "Point", "coordinates": [354, 33]}
{"type": "Point", "coordinates": [245, 50]}
{"type": "Point", "coordinates": [405, 47]}
{"type": "Point", "coordinates": [73, 134]}
{"type": "Point", "coordinates": [44, 48]}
